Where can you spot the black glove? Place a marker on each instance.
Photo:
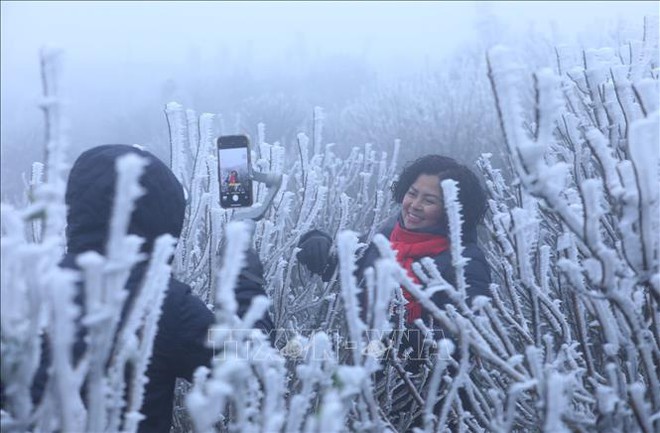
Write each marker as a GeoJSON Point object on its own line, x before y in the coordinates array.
{"type": "Point", "coordinates": [314, 250]}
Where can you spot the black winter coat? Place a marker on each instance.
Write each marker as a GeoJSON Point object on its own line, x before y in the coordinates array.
{"type": "Point", "coordinates": [477, 271]}
{"type": "Point", "coordinates": [477, 277]}
{"type": "Point", "coordinates": [180, 344]}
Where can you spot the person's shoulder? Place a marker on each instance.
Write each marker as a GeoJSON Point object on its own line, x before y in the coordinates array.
{"type": "Point", "coordinates": [181, 304]}
{"type": "Point", "coordinates": [176, 292]}
{"type": "Point", "coordinates": [314, 233]}
{"type": "Point", "coordinates": [477, 269]}
{"type": "Point", "coordinates": [473, 250]}
{"type": "Point", "coordinates": [69, 262]}
{"type": "Point", "coordinates": [387, 226]}
{"type": "Point", "coordinates": [183, 334]}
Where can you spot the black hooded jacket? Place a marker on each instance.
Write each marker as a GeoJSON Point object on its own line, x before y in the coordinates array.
{"type": "Point", "coordinates": [180, 344]}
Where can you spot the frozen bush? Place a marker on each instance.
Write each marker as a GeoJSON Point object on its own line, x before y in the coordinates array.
{"type": "Point", "coordinates": [567, 341]}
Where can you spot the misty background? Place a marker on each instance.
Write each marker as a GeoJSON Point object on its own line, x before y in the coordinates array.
{"type": "Point", "coordinates": [380, 70]}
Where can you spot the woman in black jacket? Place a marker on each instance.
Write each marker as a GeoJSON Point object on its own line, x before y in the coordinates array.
{"type": "Point", "coordinates": [420, 229]}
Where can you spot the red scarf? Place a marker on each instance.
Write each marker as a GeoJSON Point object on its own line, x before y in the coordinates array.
{"type": "Point", "coordinates": [411, 246]}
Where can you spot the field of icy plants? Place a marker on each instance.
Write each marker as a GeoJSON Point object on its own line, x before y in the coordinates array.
{"type": "Point", "coordinates": [567, 341]}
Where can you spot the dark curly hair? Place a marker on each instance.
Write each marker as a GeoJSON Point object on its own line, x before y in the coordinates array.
{"type": "Point", "coordinates": [471, 194]}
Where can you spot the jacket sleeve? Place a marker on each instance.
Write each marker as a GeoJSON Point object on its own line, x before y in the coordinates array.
{"type": "Point", "coordinates": [366, 256]}
{"type": "Point", "coordinates": [477, 274]}
{"type": "Point", "coordinates": [251, 284]}
{"type": "Point", "coordinates": [195, 319]}
{"type": "Point", "coordinates": [193, 345]}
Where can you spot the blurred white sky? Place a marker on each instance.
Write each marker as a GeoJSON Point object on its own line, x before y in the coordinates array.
{"type": "Point", "coordinates": [108, 41]}
{"type": "Point", "coordinates": [155, 32]}
{"type": "Point", "coordinates": [117, 40]}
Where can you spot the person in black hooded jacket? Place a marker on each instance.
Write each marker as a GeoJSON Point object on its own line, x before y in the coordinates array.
{"type": "Point", "coordinates": [180, 344]}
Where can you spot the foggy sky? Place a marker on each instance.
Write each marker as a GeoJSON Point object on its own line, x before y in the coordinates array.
{"type": "Point", "coordinates": [116, 52]}
{"type": "Point", "coordinates": [99, 34]}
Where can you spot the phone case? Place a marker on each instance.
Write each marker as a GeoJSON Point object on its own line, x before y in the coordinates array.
{"type": "Point", "coordinates": [234, 170]}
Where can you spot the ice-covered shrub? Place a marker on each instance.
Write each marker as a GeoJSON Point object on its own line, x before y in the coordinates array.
{"type": "Point", "coordinates": [38, 297]}
{"type": "Point", "coordinates": [566, 342]}
{"type": "Point", "coordinates": [575, 244]}
{"type": "Point", "coordinates": [315, 193]}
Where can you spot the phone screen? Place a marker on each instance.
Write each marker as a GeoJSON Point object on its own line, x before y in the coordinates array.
{"type": "Point", "coordinates": [234, 171]}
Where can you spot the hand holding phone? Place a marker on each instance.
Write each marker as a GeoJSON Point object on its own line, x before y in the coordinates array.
{"type": "Point", "coordinates": [234, 169]}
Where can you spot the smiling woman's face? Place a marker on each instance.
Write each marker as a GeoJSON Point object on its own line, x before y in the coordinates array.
{"type": "Point", "coordinates": [422, 204]}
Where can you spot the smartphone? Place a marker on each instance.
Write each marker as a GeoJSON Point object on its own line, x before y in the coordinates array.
{"type": "Point", "coordinates": [234, 169]}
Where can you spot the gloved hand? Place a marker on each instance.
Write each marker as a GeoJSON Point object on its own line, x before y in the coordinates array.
{"type": "Point", "coordinates": [314, 250]}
